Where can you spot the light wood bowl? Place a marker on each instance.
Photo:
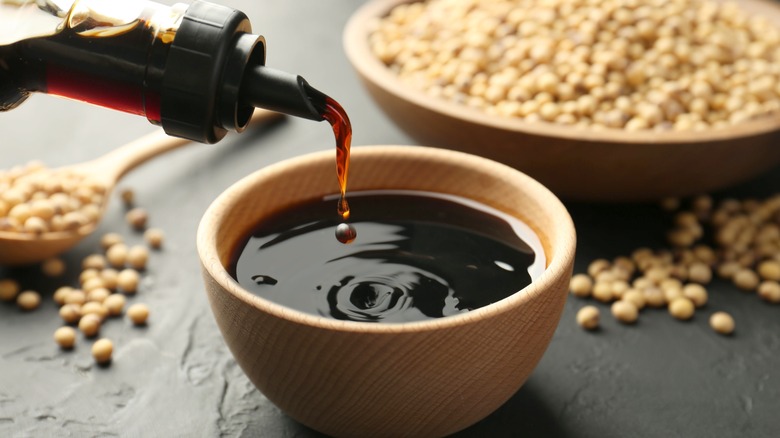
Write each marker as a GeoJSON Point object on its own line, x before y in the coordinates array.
{"type": "Point", "coordinates": [345, 378]}
{"type": "Point", "coordinates": [580, 164]}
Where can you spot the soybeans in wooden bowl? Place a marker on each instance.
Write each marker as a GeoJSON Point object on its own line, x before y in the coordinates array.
{"type": "Point", "coordinates": [423, 378]}
{"type": "Point", "coordinates": [604, 101]}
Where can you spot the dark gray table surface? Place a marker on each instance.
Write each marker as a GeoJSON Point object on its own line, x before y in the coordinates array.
{"type": "Point", "coordinates": [175, 377]}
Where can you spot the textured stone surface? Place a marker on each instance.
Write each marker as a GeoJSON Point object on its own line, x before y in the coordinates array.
{"type": "Point", "coordinates": [175, 377]}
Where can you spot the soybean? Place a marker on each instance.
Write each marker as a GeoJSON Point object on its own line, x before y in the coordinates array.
{"type": "Point", "coordinates": [28, 300]}
{"type": "Point", "coordinates": [89, 324]}
{"type": "Point", "coordinates": [61, 293]}
{"type": "Point", "coordinates": [9, 289]}
{"type": "Point", "coordinates": [115, 303]}
{"type": "Point", "coordinates": [581, 285]}
{"type": "Point", "coordinates": [722, 323]}
{"type": "Point", "coordinates": [53, 267]}
{"type": "Point", "coordinates": [65, 337]}
{"type": "Point", "coordinates": [137, 257]}
{"type": "Point", "coordinates": [102, 350]}
{"type": "Point", "coordinates": [682, 308]}
{"type": "Point", "coordinates": [70, 313]}
{"type": "Point", "coordinates": [625, 311]}
{"type": "Point", "coordinates": [746, 279]}
{"type": "Point", "coordinates": [588, 317]}
{"type": "Point", "coordinates": [769, 291]}
{"type": "Point", "coordinates": [154, 237]}
{"type": "Point", "coordinates": [696, 293]}
{"type": "Point", "coordinates": [110, 239]}
{"type": "Point", "coordinates": [138, 313]}
{"type": "Point", "coordinates": [137, 218]}
{"type": "Point", "coordinates": [128, 280]}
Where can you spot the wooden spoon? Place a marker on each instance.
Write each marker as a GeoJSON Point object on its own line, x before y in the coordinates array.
{"type": "Point", "coordinates": [21, 248]}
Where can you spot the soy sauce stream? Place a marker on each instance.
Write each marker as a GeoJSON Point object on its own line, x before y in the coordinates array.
{"type": "Point", "coordinates": [342, 130]}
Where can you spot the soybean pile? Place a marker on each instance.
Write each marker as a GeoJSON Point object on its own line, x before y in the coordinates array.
{"type": "Point", "coordinates": [634, 65]}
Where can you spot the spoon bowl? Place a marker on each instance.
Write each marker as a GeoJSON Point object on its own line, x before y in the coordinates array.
{"type": "Point", "coordinates": [18, 249]}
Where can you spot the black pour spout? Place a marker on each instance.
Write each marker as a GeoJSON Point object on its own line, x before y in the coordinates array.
{"type": "Point", "coordinates": [272, 89]}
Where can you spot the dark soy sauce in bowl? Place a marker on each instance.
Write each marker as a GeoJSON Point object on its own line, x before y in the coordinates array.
{"type": "Point", "coordinates": [418, 256]}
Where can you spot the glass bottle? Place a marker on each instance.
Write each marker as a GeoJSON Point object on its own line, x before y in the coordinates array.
{"type": "Point", "coordinates": [196, 70]}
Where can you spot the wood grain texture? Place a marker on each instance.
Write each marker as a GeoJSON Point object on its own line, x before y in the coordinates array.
{"type": "Point", "coordinates": [427, 378]}
{"type": "Point", "coordinates": [579, 164]}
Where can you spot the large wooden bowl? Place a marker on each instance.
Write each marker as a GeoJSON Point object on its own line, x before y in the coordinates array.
{"type": "Point", "coordinates": [611, 165]}
{"type": "Point", "coordinates": [347, 378]}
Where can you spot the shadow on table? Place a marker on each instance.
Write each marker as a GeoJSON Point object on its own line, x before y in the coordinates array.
{"type": "Point", "coordinates": [525, 414]}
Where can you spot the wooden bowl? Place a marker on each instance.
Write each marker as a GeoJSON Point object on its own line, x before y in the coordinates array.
{"type": "Point", "coordinates": [609, 165]}
{"type": "Point", "coordinates": [346, 378]}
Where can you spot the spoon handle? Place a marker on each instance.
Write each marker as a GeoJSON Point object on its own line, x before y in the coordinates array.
{"type": "Point", "coordinates": [127, 157]}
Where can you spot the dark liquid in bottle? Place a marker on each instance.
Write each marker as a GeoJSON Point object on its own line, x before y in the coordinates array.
{"type": "Point", "coordinates": [96, 57]}
{"type": "Point", "coordinates": [420, 256]}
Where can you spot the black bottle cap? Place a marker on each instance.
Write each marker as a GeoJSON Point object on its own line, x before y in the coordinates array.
{"type": "Point", "coordinates": [204, 72]}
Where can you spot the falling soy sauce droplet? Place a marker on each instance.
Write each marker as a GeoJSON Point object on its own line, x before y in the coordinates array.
{"type": "Point", "coordinates": [345, 233]}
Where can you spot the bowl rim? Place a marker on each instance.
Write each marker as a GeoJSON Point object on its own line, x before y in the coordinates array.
{"type": "Point", "coordinates": [372, 70]}
{"type": "Point", "coordinates": [560, 265]}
